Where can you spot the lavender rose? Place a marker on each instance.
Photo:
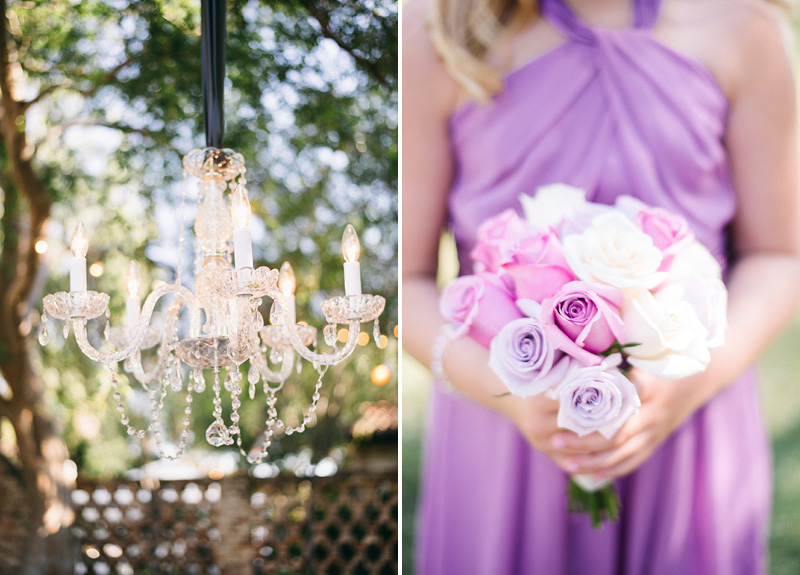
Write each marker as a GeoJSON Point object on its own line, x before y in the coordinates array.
{"type": "Point", "coordinates": [524, 359]}
{"type": "Point", "coordinates": [596, 398]}
{"type": "Point", "coordinates": [583, 320]}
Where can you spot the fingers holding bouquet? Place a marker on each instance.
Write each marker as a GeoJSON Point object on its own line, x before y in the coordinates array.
{"type": "Point", "coordinates": [593, 307]}
{"type": "Point", "coordinates": [664, 406]}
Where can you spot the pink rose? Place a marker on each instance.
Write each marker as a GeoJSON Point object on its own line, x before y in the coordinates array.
{"type": "Point", "coordinates": [670, 232]}
{"type": "Point", "coordinates": [497, 240]}
{"type": "Point", "coordinates": [480, 304]}
{"type": "Point", "coordinates": [538, 268]}
{"type": "Point", "coordinates": [583, 320]}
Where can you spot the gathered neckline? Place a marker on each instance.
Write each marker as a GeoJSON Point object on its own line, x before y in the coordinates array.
{"type": "Point", "coordinates": [693, 63]}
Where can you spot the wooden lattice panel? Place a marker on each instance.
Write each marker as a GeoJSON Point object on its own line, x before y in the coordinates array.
{"type": "Point", "coordinates": [326, 526]}
{"type": "Point", "coordinates": [155, 527]}
{"type": "Point", "coordinates": [346, 524]}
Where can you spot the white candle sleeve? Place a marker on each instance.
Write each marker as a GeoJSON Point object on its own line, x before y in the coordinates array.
{"type": "Point", "coordinates": [242, 249]}
{"type": "Point", "coordinates": [290, 311]}
{"type": "Point", "coordinates": [132, 308]}
{"type": "Point", "coordinates": [352, 278]}
{"type": "Point", "coordinates": [77, 274]}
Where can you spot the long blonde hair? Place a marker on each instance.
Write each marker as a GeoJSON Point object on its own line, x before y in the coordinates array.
{"type": "Point", "coordinates": [463, 32]}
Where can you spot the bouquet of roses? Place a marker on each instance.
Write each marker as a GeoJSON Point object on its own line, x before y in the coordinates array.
{"type": "Point", "coordinates": [570, 297]}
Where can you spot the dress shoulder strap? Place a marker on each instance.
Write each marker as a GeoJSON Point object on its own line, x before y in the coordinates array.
{"type": "Point", "coordinates": [564, 18]}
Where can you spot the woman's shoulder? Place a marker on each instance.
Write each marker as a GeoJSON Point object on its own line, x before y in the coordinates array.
{"type": "Point", "coordinates": [425, 78]}
{"type": "Point", "coordinates": [731, 37]}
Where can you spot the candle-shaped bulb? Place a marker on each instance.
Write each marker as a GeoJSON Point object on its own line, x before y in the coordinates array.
{"type": "Point", "coordinates": [79, 244]}
{"type": "Point", "coordinates": [351, 247]}
{"type": "Point", "coordinates": [286, 280]}
{"type": "Point", "coordinates": [133, 280]}
{"type": "Point", "coordinates": [240, 208]}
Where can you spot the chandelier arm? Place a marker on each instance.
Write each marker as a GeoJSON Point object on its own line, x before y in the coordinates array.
{"type": "Point", "coordinates": [79, 328]}
{"type": "Point", "coordinates": [163, 354]}
{"type": "Point", "coordinates": [272, 376]}
{"type": "Point", "coordinates": [184, 297]}
{"type": "Point", "coordinates": [212, 40]}
{"type": "Point", "coordinates": [354, 328]}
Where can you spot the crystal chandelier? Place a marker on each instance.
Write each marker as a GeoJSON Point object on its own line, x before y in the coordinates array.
{"type": "Point", "coordinates": [225, 327]}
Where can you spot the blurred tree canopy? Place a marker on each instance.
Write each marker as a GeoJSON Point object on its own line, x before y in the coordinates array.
{"type": "Point", "coordinates": [99, 102]}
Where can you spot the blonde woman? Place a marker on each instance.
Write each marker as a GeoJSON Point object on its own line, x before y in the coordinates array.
{"type": "Point", "coordinates": [685, 104]}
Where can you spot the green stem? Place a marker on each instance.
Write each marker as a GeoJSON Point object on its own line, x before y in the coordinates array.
{"type": "Point", "coordinates": [601, 505]}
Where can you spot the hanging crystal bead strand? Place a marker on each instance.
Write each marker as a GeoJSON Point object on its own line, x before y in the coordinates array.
{"type": "Point", "coordinates": [269, 432]}
{"type": "Point", "coordinates": [217, 433]}
{"type": "Point", "coordinates": [236, 391]}
{"type": "Point", "coordinates": [140, 433]}
{"type": "Point", "coordinates": [198, 380]}
{"type": "Point", "coordinates": [311, 408]}
{"type": "Point", "coordinates": [253, 376]}
{"type": "Point", "coordinates": [157, 406]}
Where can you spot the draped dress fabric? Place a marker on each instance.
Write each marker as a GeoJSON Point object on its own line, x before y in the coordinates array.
{"type": "Point", "coordinates": [614, 112]}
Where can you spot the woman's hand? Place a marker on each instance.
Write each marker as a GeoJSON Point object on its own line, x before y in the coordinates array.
{"type": "Point", "coordinates": [536, 418]}
{"type": "Point", "coordinates": [665, 406]}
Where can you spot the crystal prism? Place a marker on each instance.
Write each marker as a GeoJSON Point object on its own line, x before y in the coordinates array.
{"type": "Point", "coordinates": [276, 313]}
{"type": "Point", "coordinates": [275, 355]}
{"type": "Point", "coordinates": [217, 434]}
{"type": "Point", "coordinates": [376, 333]}
{"type": "Point", "coordinates": [174, 378]}
{"type": "Point", "coordinates": [253, 375]}
{"type": "Point", "coordinates": [329, 333]}
{"type": "Point", "coordinates": [44, 337]}
{"type": "Point", "coordinates": [199, 380]}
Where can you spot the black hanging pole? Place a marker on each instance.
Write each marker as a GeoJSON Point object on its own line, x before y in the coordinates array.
{"type": "Point", "coordinates": [212, 38]}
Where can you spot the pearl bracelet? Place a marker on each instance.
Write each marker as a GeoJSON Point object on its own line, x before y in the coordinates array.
{"type": "Point", "coordinates": [447, 333]}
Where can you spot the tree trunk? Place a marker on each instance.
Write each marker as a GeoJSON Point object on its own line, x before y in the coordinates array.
{"type": "Point", "coordinates": [48, 547]}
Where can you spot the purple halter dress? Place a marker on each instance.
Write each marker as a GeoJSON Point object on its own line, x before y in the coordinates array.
{"type": "Point", "coordinates": [614, 112]}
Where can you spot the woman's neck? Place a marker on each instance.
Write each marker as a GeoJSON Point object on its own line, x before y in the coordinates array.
{"type": "Point", "coordinates": [603, 13]}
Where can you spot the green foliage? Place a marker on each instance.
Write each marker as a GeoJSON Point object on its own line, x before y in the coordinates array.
{"type": "Point", "coordinates": [311, 103]}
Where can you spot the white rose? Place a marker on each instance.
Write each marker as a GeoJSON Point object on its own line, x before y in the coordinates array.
{"type": "Point", "coordinates": [613, 251]}
{"type": "Point", "coordinates": [672, 342]}
{"type": "Point", "coordinates": [551, 204]}
{"type": "Point", "coordinates": [630, 206]}
{"type": "Point", "coordinates": [697, 277]}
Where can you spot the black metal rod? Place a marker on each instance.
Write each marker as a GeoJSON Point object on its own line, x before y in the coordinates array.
{"type": "Point", "coordinates": [212, 38]}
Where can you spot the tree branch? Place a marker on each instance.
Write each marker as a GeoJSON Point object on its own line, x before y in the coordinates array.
{"type": "Point", "coordinates": [368, 65]}
{"type": "Point", "coordinates": [58, 130]}
{"type": "Point", "coordinates": [104, 80]}
{"type": "Point", "coordinates": [41, 95]}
